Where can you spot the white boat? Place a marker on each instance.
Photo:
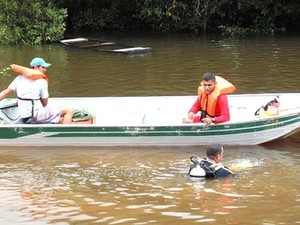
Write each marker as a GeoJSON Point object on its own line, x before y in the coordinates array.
{"type": "Point", "coordinates": [153, 121]}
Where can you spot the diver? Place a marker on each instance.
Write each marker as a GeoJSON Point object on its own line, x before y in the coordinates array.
{"type": "Point", "coordinates": [211, 166]}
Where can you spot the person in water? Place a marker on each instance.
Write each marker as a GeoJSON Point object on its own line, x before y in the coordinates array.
{"type": "Point", "coordinates": [212, 102]}
{"type": "Point", "coordinates": [33, 94]}
{"type": "Point", "coordinates": [210, 166]}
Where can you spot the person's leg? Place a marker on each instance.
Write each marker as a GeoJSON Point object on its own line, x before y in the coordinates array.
{"type": "Point", "coordinates": [66, 116]}
{"type": "Point", "coordinates": [47, 115]}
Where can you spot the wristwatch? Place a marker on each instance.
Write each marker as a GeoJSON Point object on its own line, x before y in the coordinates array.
{"type": "Point", "coordinates": [213, 120]}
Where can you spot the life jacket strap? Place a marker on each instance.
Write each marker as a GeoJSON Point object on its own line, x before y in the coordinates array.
{"type": "Point", "coordinates": [32, 107]}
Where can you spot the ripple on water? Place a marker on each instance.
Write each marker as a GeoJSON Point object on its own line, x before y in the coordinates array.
{"type": "Point", "coordinates": [122, 190]}
{"type": "Point", "coordinates": [182, 215]}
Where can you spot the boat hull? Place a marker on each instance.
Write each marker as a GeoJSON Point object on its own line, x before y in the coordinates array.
{"type": "Point", "coordinates": [90, 135]}
{"type": "Point", "coordinates": [154, 126]}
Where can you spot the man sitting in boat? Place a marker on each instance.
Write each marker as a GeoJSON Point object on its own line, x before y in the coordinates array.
{"type": "Point", "coordinates": [211, 166]}
{"type": "Point", "coordinates": [31, 88]}
{"type": "Point", "coordinates": [212, 102]}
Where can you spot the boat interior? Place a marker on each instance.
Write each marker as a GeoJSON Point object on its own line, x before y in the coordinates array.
{"type": "Point", "coordinates": [157, 110]}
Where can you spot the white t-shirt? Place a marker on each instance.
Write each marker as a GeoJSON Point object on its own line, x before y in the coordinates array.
{"type": "Point", "coordinates": [29, 89]}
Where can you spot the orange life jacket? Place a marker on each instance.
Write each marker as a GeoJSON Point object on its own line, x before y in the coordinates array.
{"type": "Point", "coordinates": [33, 74]}
{"type": "Point", "coordinates": [208, 103]}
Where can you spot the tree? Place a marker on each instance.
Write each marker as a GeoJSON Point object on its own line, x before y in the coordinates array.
{"type": "Point", "coordinates": [30, 22]}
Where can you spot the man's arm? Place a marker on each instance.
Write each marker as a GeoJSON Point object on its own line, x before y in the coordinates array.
{"type": "Point", "coordinates": [196, 107]}
{"type": "Point", "coordinates": [44, 101]}
{"type": "Point", "coordinates": [5, 93]}
{"type": "Point", "coordinates": [44, 94]}
{"type": "Point", "coordinates": [191, 114]}
{"type": "Point", "coordinates": [223, 110]}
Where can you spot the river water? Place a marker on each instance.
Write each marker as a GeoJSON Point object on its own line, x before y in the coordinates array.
{"type": "Point", "coordinates": [147, 185]}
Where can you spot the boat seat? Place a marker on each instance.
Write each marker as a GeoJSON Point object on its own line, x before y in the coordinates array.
{"type": "Point", "coordinates": [98, 44]}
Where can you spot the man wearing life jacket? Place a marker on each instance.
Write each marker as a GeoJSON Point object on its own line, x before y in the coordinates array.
{"type": "Point", "coordinates": [212, 102]}
{"type": "Point", "coordinates": [211, 166]}
{"type": "Point", "coordinates": [31, 88]}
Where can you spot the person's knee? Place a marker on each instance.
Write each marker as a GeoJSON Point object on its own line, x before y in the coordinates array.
{"type": "Point", "coordinates": [66, 116]}
{"type": "Point", "coordinates": [70, 111]}
{"type": "Point", "coordinates": [66, 111]}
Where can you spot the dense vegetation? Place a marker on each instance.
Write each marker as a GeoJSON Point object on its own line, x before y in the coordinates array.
{"type": "Point", "coordinates": [31, 21]}
{"type": "Point", "coordinates": [193, 16]}
{"type": "Point", "coordinates": [40, 21]}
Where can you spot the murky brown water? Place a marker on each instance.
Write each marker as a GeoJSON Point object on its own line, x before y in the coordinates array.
{"type": "Point", "coordinates": [149, 185]}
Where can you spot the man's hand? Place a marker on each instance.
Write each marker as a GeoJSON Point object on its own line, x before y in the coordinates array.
{"type": "Point", "coordinates": [207, 121]}
{"type": "Point", "coordinates": [191, 115]}
{"type": "Point", "coordinates": [189, 118]}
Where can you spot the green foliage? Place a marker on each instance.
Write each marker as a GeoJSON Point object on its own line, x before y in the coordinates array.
{"type": "Point", "coordinates": [5, 71]}
{"type": "Point", "coordinates": [254, 17]}
{"type": "Point", "coordinates": [96, 15]}
{"type": "Point", "coordinates": [42, 21]}
{"type": "Point", "coordinates": [167, 16]}
{"type": "Point", "coordinates": [230, 17]}
{"type": "Point", "coordinates": [30, 22]}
